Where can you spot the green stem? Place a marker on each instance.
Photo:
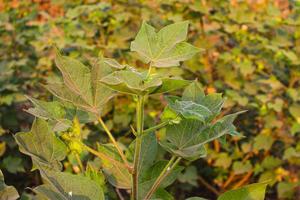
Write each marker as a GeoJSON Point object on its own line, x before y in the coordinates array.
{"type": "Point", "coordinates": [164, 173]}
{"type": "Point", "coordinates": [111, 137]}
{"type": "Point", "coordinates": [102, 155]}
{"type": "Point", "coordinates": [138, 145]}
{"type": "Point", "coordinates": [158, 126]}
{"type": "Point", "coordinates": [79, 162]}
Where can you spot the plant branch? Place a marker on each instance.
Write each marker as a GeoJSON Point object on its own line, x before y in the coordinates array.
{"type": "Point", "coordinates": [165, 172]}
{"type": "Point", "coordinates": [208, 186]}
{"type": "Point", "coordinates": [158, 126]}
{"type": "Point", "coordinates": [79, 162]}
{"type": "Point", "coordinates": [102, 155]}
{"type": "Point", "coordinates": [111, 137]}
{"type": "Point", "coordinates": [138, 145]}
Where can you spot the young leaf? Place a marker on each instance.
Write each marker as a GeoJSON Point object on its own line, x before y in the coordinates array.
{"type": "Point", "coordinates": [116, 173]}
{"type": "Point", "coordinates": [187, 138]}
{"type": "Point", "coordinates": [135, 83]}
{"type": "Point", "coordinates": [254, 191]}
{"type": "Point", "coordinates": [63, 186]}
{"type": "Point", "coordinates": [131, 82]}
{"type": "Point", "coordinates": [181, 139]}
{"type": "Point", "coordinates": [82, 85]}
{"type": "Point", "coordinates": [7, 192]}
{"type": "Point", "coordinates": [196, 105]}
{"type": "Point", "coordinates": [42, 145]}
{"type": "Point", "coordinates": [165, 48]}
{"type": "Point", "coordinates": [193, 92]}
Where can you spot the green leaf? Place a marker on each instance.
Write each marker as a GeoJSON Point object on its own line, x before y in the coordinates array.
{"type": "Point", "coordinates": [132, 82]}
{"type": "Point", "coordinates": [254, 191]}
{"type": "Point", "coordinates": [148, 152]}
{"type": "Point", "coordinates": [195, 198]}
{"type": "Point", "coordinates": [165, 48]}
{"type": "Point", "coordinates": [13, 164]}
{"type": "Point", "coordinates": [148, 155]}
{"type": "Point", "coordinates": [42, 145]}
{"type": "Point", "coordinates": [116, 173]}
{"type": "Point", "coordinates": [52, 111]}
{"type": "Point", "coordinates": [170, 84]}
{"type": "Point", "coordinates": [63, 186]}
{"type": "Point", "coordinates": [77, 76]}
{"type": "Point", "coordinates": [191, 110]}
{"type": "Point", "coordinates": [81, 85]}
{"type": "Point", "coordinates": [7, 192]}
{"type": "Point", "coordinates": [187, 138]}
{"type": "Point", "coordinates": [162, 194]}
{"type": "Point", "coordinates": [148, 178]}
{"type": "Point", "coordinates": [193, 92]}
{"type": "Point", "coordinates": [196, 105]}
{"type": "Point", "coordinates": [240, 167]}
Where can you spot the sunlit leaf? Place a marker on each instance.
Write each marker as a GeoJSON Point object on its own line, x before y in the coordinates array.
{"type": "Point", "coordinates": [132, 82]}
{"type": "Point", "coordinates": [165, 48]}
{"type": "Point", "coordinates": [254, 191]}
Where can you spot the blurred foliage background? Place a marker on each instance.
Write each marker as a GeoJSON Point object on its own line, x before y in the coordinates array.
{"type": "Point", "coordinates": [252, 55]}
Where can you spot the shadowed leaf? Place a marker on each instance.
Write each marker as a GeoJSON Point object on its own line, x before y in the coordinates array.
{"type": "Point", "coordinates": [42, 145]}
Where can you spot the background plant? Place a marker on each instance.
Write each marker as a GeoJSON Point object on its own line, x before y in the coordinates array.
{"type": "Point", "coordinates": [246, 57]}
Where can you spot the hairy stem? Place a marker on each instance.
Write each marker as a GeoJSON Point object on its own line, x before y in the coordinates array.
{"type": "Point", "coordinates": [138, 144]}
{"type": "Point", "coordinates": [164, 173]}
{"type": "Point", "coordinates": [113, 140]}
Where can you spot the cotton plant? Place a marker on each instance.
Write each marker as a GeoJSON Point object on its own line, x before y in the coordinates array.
{"type": "Point", "coordinates": [187, 124]}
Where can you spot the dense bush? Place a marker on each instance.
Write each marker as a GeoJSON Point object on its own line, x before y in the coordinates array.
{"type": "Point", "coordinates": [251, 55]}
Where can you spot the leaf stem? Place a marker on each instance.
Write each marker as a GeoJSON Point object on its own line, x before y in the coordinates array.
{"type": "Point", "coordinates": [113, 140]}
{"type": "Point", "coordinates": [102, 155]}
{"type": "Point", "coordinates": [79, 162]}
{"type": "Point", "coordinates": [164, 173]}
{"type": "Point", "coordinates": [154, 128]}
{"type": "Point", "coordinates": [138, 145]}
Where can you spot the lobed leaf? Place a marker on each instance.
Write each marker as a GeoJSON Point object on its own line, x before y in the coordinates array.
{"type": "Point", "coordinates": [187, 138]}
{"type": "Point", "coordinates": [81, 85]}
{"type": "Point", "coordinates": [42, 145]}
{"type": "Point", "coordinates": [165, 48]}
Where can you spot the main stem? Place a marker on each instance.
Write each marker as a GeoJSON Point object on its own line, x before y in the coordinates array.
{"type": "Point", "coordinates": [164, 173]}
{"type": "Point", "coordinates": [111, 137]}
{"type": "Point", "coordinates": [138, 144]}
